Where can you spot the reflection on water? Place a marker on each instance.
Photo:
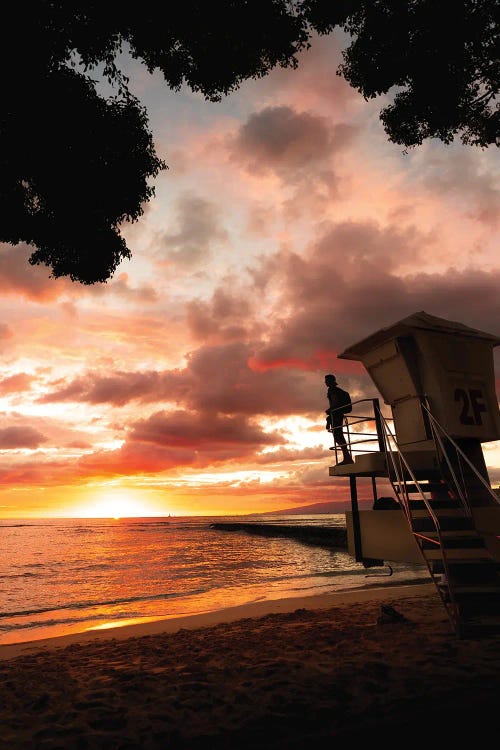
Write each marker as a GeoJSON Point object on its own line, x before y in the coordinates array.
{"type": "Point", "coordinates": [65, 576]}
{"type": "Point", "coordinates": [121, 623]}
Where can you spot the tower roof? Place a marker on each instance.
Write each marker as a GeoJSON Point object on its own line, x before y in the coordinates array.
{"type": "Point", "coordinates": [420, 321]}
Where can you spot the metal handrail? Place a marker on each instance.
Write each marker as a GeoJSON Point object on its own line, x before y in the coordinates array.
{"type": "Point", "coordinates": [460, 454]}
{"type": "Point", "coordinates": [354, 419]}
{"type": "Point", "coordinates": [452, 610]}
{"type": "Point", "coordinates": [400, 474]}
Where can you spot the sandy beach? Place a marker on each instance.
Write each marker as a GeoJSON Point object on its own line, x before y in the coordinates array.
{"type": "Point", "coordinates": [266, 675]}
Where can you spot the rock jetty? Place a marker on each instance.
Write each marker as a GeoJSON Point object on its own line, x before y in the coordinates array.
{"type": "Point", "coordinates": [321, 536]}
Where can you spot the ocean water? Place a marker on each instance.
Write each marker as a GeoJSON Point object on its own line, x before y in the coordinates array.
{"type": "Point", "coordinates": [60, 576]}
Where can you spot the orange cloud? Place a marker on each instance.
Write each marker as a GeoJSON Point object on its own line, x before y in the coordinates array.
{"type": "Point", "coordinates": [18, 383]}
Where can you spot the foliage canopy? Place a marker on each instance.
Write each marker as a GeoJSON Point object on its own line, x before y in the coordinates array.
{"type": "Point", "coordinates": [441, 60]}
{"type": "Point", "coordinates": [74, 164]}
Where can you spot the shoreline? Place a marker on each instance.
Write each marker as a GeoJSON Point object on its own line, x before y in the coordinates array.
{"type": "Point", "coordinates": [374, 591]}
{"type": "Point", "coordinates": [381, 661]}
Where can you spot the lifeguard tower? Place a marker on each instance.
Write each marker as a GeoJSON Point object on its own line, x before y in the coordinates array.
{"type": "Point", "coordinates": [437, 378]}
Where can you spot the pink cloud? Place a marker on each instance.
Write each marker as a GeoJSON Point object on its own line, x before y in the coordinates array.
{"type": "Point", "coordinates": [346, 287]}
{"type": "Point", "coordinates": [199, 431]}
{"type": "Point", "coordinates": [314, 83]}
{"type": "Point", "coordinates": [5, 332]}
{"type": "Point", "coordinates": [165, 441]}
{"type": "Point", "coordinates": [12, 438]}
{"type": "Point", "coordinates": [17, 383]}
{"type": "Point", "coordinates": [227, 316]}
{"type": "Point", "coordinates": [463, 179]}
{"type": "Point", "coordinates": [288, 142]}
{"type": "Point", "coordinates": [17, 276]}
{"type": "Point", "coordinates": [278, 238]}
{"type": "Point", "coordinates": [199, 228]}
{"type": "Point", "coordinates": [122, 287]}
{"type": "Point", "coordinates": [118, 388]}
{"type": "Point", "coordinates": [218, 379]}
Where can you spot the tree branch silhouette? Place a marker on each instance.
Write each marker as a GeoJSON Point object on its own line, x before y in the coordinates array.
{"type": "Point", "coordinates": [74, 164]}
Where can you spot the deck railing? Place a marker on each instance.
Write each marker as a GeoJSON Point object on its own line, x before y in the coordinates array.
{"type": "Point", "coordinates": [358, 440]}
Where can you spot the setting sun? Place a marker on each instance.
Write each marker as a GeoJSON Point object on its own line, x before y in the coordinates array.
{"type": "Point", "coordinates": [116, 505]}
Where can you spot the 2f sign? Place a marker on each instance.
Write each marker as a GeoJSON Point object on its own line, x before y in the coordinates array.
{"type": "Point", "coordinates": [473, 405]}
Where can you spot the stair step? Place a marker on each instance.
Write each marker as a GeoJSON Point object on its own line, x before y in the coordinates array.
{"type": "Point", "coordinates": [471, 577]}
{"type": "Point", "coordinates": [473, 600]}
{"type": "Point", "coordinates": [474, 591]}
{"type": "Point", "coordinates": [437, 566]}
{"type": "Point", "coordinates": [446, 523]}
{"type": "Point", "coordinates": [481, 627]}
{"type": "Point", "coordinates": [421, 475]}
{"type": "Point", "coordinates": [438, 512]}
{"type": "Point", "coordinates": [455, 542]}
{"type": "Point", "coordinates": [470, 604]}
{"type": "Point", "coordinates": [434, 553]}
{"type": "Point", "coordinates": [425, 486]}
{"type": "Point", "coordinates": [468, 571]}
{"type": "Point", "coordinates": [417, 503]}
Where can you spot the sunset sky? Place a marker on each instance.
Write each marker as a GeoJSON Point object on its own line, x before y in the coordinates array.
{"type": "Point", "coordinates": [286, 228]}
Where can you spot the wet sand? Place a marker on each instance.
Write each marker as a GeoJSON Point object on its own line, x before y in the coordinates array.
{"type": "Point", "coordinates": [267, 675]}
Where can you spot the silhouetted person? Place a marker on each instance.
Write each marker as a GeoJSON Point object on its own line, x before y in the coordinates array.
{"type": "Point", "coordinates": [340, 403]}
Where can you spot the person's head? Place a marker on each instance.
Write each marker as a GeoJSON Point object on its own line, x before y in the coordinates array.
{"type": "Point", "coordinates": [330, 380]}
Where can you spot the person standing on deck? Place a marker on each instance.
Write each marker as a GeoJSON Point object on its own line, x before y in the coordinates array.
{"type": "Point", "coordinates": [339, 404]}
